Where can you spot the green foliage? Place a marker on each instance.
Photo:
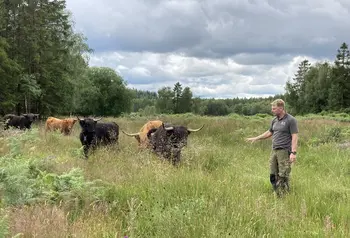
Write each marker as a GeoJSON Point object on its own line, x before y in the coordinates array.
{"type": "Point", "coordinates": [322, 86]}
{"type": "Point", "coordinates": [143, 99]}
{"type": "Point", "coordinates": [45, 57]}
{"type": "Point", "coordinates": [216, 108]}
{"type": "Point", "coordinates": [131, 192]}
{"type": "Point", "coordinates": [177, 97]}
{"type": "Point", "coordinates": [3, 222]}
{"type": "Point", "coordinates": [164, 101]}
{"type": "Point", "coordinates": [148, 111]}
{"type": "Point", "coordinates": [104, 93]}
{"type": "Point", "coordinates": [9, 71]}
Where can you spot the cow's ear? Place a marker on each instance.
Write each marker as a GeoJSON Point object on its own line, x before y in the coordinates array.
{"type": "Point", "coordinates": [81, 122]}
{"type": "Point", "coordinates": [151, 132]}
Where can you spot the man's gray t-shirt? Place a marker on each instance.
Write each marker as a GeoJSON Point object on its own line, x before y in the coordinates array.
{"type": "Point", "coordinates": [282, 130]}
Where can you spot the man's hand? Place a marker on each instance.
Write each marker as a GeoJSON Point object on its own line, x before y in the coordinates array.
{"type": "Point", "coordinates": [292, 158]}
{"type": "Point", "coordinates": [252, 139]}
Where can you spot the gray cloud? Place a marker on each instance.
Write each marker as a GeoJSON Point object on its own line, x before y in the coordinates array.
{"type": "Point", "coordinates": [261, 58]}
{"type": "Point", "coordinates": [215, 29]}
{"type": "Point", "coordinates": [206, 77]}
{"type": "Point", "coordinates": [219, 49]}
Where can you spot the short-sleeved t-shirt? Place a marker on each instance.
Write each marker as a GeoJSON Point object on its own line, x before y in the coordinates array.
{"type": "Point", "coordinates": [282, 130]}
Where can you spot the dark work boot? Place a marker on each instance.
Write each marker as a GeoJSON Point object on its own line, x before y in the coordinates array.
{"type": "Point", "coordinates": [282, 186]}
{"type": "Point", "coordinates": [273, 181]}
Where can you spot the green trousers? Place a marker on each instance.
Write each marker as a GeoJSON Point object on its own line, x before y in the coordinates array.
{"type": "Point", "coordinates": [280, 168]}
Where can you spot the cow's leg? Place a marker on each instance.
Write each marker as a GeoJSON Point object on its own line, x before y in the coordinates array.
{"type": "Point", "coordinates": [165, 151]}
{"type": "Point", "coordinates": [86, 151]}
{"type": "Point", "coordinates": [176, 155]}
{"type": "Point", "coordinates": [167, 154]}
{"type": "Point", "coordinates": [93, 144]}
{"type": "Point", "coordinates": [86, 145]}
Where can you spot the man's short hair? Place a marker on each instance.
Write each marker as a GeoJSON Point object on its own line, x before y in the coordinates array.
{"type": "Point", "coordinates": [278, 103]}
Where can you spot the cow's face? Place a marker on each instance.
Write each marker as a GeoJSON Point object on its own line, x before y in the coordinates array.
{"type": "Point", "coordinates": [88, 125]}
{"type": "Point", "coordinates": [174, 135]}
{"type": "Point", "coordinates": [177, 136]}
{"type": "Point", "coordinates": [151, 136]}
{"type": "Point", "coordinates": [68, 125]}
{"type": "Point", "coordinates": [36, 116]}
{"type": "Point", "coordinates": [30, 117]}
{"type": "Point", "coordinates": [169, 140]}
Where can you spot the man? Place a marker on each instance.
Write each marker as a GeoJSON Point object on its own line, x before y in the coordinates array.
{"type": "Point", "coordinates": [284, 132]}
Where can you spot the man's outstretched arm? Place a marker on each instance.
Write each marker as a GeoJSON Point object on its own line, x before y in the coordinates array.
{"type": "Point", "coordinates": [264, 135]}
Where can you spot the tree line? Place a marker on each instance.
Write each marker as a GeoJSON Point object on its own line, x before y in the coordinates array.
{"type": "Point", "coordinates": [44, 69]}
{"type": "Point", "coordinates": [44, 64]}
{"type": "Point", "coordinates": [179, 99]}
{"type": "Point", "coordinates": [322, 86]}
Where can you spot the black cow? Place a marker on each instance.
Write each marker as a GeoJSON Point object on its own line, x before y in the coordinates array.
{"type": "Point", "coordinates": [167, 140]}
{"type": "Point", "coordinates": [94, 134]}
{"type": "Point", "coordinates": [22, 122]}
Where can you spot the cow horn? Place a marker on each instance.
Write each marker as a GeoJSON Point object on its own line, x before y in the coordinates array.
{"type": "Point", "coordinates": [194, 130]}
{"type": "Point", "coordinates": [169, 128]}
{"type": "Point", "coordinates": [131, 134]}
{"type": "Point", "coordinates": [97, 119]}
{"type": "Point", "coordinates": [80, 119]}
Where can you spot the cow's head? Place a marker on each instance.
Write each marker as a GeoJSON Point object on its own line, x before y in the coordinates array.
{"type": "Point", "coordinates": [88, 125]}
{"type": "Point", "coordinates": [170, 137]}
{"type": "Point", "coordinates": [142, 136]}
{"type": "Point", "coordinates": [68, 124]}
{"type": "Point", "coordinates": [178, 135]}
{"type": "Point", "coordinates": [30, 117]}
{"type": "Point", "coordinates": [36, 116]}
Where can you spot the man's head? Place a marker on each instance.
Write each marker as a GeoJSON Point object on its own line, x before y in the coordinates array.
{"type": "Point", "coordinates": [278, 107]}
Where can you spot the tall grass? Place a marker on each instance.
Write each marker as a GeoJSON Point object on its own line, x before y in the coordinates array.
{"type": "Point", "coordinates": [220, 189]}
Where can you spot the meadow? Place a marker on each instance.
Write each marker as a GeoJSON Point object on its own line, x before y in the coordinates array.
{"type": "Point", "coordinates": [220, 189]}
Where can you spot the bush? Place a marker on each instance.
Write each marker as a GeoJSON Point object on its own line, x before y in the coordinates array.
{"type": "Point", "coordinates": [263, 115]}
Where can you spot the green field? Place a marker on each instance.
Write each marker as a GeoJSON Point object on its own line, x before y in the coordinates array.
{"type": "Point", "coordinates": [220, 189]}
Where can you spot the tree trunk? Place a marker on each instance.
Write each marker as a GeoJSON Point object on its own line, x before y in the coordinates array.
{"type": "Point", "coordinates": [25, 103]}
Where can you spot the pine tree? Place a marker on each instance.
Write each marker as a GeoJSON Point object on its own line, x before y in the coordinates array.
{"type": "Point", "coordinates": [341, 78]}
{"type": "Point", "coordinates": [177, 97]}
{"type": "Point", "coordinates": [295, 90]}
{"type": "Point", "coordinates": [186, 100]}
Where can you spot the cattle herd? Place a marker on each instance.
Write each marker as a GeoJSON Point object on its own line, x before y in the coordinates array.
{"type": "Point", "coordinates": [164, 139]}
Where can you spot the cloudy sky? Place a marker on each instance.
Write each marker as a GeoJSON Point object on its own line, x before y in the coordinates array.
{"type": "Point", "coordinates": [221, 48]}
